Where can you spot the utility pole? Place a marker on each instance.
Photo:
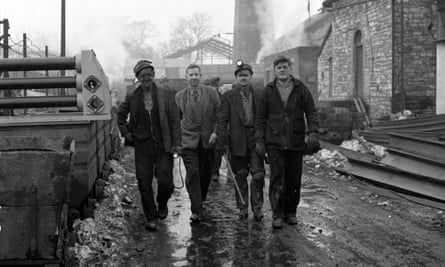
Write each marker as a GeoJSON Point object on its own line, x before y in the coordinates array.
{"type": "Point", "coordinates": [62, 40]}
{"type": "Point", "coordinates": [5, 37]}
{"type": "Point", "coordinates": [46, 72]}
{"type": "Point", "coordinates": [25, 54]}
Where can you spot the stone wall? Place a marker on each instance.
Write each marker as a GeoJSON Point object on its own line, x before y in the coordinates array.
{"type": "Point", "coordinates": [373, 19]}
{"type": "Point", "coordinates": [415, 53]}
{"type": "Point", "coordinates": [391, 43]}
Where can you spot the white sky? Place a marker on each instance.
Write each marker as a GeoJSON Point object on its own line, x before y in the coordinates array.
{"type": "Point", "coordinates": [96, 24]}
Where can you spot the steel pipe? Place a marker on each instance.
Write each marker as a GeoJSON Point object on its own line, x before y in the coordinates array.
{"type": "Point", "coordinates": [38, 102]}
{"type": "Point", "coordinates": [38, 82]}
{"type": "Point", "coordinates": [27, 64]}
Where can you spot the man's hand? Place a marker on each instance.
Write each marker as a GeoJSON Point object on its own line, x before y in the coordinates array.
{"type": "Point", "coordinates": [129, 140]}
{"type": "Point", "coordinates": [260, 149]}
{"type": "Point", "coordinates": [313, 144]}
{"type": "Point", "coordinates": [129, 136]}
{"type": "Point", "coordinates": [213, 138]}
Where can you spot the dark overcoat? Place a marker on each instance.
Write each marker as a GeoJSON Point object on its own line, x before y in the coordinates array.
{"type": "Point", "coordinates": [231, 120]}
{"type": "Point", "coordinates": [168, 115]}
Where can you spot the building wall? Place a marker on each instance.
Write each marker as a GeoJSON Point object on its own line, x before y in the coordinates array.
{"type": "Point", "coordinates": [415, 53]}
{"type": "Point", "coordinates": [373, 19]}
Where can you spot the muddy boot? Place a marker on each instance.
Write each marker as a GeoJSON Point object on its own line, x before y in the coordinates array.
{"type": "Point", "coordinates": [195, 218]}
{"type": "Point", "coordinates": [292, 220]}
{"type": "Point", "coordinates": [151, 225]}
{"type": "Point", "coordinates": [277, 223]}
{"type": "Point", "coordinates": [258, 216]}
{"type": "Point", "coordinates": [243, 214]}
{"type": "Point", "coordinates": [163, 212]}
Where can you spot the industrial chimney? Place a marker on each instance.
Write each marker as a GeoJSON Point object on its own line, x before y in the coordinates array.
{"type": "Point", "coordinates": [247, 37]}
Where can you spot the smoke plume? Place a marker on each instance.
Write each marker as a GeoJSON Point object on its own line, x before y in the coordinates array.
{"type": "Point", "coordinates": [281, 24]}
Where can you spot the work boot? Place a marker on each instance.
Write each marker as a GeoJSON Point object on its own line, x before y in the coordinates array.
{"type": "Point", "coordinates": [195, 218]}
{"type": "Point", "coordinates": [277, 223]}
{"type": "Point", "coordinates": [151, 225]}
{"type": "Point", "coordinates": [163, 212]}
{"type": "Point", "coordinates": [292, 220]}
{"type": "Point", "coordinates": [243, 214]}
{"type": "Point", "coordinates": [258, 216]}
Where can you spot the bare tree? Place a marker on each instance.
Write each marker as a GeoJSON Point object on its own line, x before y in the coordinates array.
{"type": "Point", "coordinates": [137, 39]}
{"type": "Point", "coordinates": [189, 31]}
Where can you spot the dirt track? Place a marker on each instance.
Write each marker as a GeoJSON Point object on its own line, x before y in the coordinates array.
{"type": "Point", "coordinates": [341, 223]}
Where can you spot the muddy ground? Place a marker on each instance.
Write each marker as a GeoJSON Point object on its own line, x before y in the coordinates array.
{"type": "Point", "coordinates": [343, 221]}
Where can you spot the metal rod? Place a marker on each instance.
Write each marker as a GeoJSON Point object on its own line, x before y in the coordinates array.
{"type": "Point", "coordinates": [27, 64]}
{"type": "Point", "coordinates": [232, 175]}
{"type": "Point", "coordinates": [38, 82]}
{"type": "Point", "coordinates": [38, 102]}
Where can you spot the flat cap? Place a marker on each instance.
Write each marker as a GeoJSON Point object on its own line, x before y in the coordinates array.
{"type": "Point", "coordinates": [142, 64]}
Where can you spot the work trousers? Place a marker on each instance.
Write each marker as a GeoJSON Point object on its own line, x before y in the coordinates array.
{"type": "Point", "coordinates": [241, 166]}
{"type": "Point", "coordinates": [285, 181]}
{"type": "Point", "coordinates": [197, 163]}
{"type": "Point", "coordinates": [149, 156]}
{"type": "Point", "coordinates": [216, 163]}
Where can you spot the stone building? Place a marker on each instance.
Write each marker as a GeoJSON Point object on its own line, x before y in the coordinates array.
{"type": "Point", "coordinates": [383, 51]}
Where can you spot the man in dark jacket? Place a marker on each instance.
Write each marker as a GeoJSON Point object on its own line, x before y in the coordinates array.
{"type": "Point", "coordinates": [280, 129]}
{"type": "Point", "coordinates": [236, 121]}
{"type": "Point", "coordinates": [198, 105]}
{"type": "Point", "coordinates": [154, 127]}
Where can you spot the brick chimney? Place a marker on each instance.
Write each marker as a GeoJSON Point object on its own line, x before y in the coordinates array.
{"type": "Point", "coordinates": [247, 37]}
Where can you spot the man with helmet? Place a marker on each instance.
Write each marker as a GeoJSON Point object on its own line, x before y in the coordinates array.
{"type": "Point", "coordinates": [236, 121]}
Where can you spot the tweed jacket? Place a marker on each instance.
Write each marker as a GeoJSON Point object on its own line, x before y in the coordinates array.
{"type": "Point", "coordinates": [168, 115]}
{"type": "Point", "coordinates": [192, 133]}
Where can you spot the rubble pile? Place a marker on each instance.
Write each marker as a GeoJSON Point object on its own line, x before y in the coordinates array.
{"type": "Point", "coordinates": [100, 241]}
{"type": "Point", "coordinates": [328, 158]}
{"type": "Point", "coordinates": [334, 159]}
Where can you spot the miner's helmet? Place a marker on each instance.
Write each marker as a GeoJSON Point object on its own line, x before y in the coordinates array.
{"type": "Point", "coordinates": [240, 65]}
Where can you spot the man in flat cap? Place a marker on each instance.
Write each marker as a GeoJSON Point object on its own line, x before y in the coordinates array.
{"type": "Point", "coordinates": [236, 121]}
{"type": "Point", "coordinates": [154, 127]}
{"type": "Point", "coordinates": [198, 105]}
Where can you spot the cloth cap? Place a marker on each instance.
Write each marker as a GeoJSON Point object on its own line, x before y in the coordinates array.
{"type": "Point", "coordinates": [142, 64]}
{"type": "Point", "coordinates": [243, 66]}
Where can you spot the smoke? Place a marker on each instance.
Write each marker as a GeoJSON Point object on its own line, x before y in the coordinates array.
{"type": "Point", "coordinates": [265, 12]}
{"type": "Point", "coordinates": [281, 24]}
{"type": "Point", "coordinates": [105, 38]}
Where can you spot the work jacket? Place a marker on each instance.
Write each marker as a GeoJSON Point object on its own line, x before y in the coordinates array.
{"type": "Point", "coordinates": [281, 126]}
{"type": "Point", "coordinates": [168, 115]}
{"type": "Point", "coordinates": [231, 121]}
{"type": "Point", "coordinates": [191, 132]}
